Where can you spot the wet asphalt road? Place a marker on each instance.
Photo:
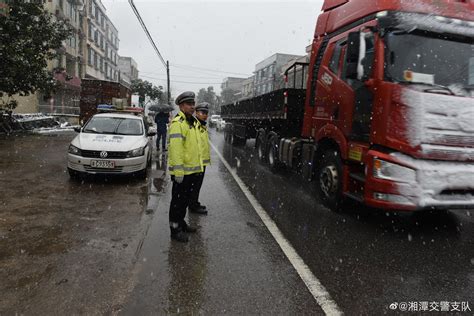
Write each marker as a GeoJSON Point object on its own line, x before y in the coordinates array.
{"type": "Point", "coordinates": [103, 246]}
{"type": "Point", "coordinates": [366, 259]}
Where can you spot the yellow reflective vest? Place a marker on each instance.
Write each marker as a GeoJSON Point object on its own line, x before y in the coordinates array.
{"type": "Point", "coordinates": [204, 144]}
{"type": "Point", "coordinates": [184, 154]}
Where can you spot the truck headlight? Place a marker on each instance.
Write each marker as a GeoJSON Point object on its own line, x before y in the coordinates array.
{"type": "Point", "coordinates": [136, 152]}
{"type": "Point", "coordinates": [391, 171]}
{"type": "Point", "coordinates": [74, 150]}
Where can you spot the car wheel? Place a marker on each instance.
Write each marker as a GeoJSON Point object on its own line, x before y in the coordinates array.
{"type": "Point", "coordinates": [329, 180]}
{"type": "Point", "coordinates": [73, 174]}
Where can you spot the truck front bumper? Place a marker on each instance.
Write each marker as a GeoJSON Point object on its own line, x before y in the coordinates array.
{"type": "Point", "coordinates": [419, 184]}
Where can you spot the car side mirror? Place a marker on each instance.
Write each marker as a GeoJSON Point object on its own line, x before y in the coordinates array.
{"type": "Point", "coordinates": [77, 129]}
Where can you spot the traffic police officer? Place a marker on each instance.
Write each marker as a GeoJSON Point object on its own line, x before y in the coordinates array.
{"type": "Point", "coordinates": [202, 111]}
{"type": "Point", "coordinates": [184, 162]}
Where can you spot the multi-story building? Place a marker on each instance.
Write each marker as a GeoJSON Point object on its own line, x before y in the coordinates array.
{"type": "Point", "coordinates": [231, 89]}
{"type": "Point", "coordinates": [128, 70]}
{"type": "Point", "coordinates": [102, 43]}
{"type": "Point", "coordinates": [268, 72]}
{"type": "Point", "coordinates": [248, 90]}
{"type": "Point", "coordinates": [66, 68]}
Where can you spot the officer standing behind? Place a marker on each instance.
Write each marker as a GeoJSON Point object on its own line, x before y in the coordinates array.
{"type": "Point", "coordinates": [202, 111]}
{"type": "Point", "coordinates": [184, 162]}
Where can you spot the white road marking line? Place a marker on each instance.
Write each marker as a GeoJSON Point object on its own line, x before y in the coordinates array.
{"type": "Point", "coordinates": [318, 291]}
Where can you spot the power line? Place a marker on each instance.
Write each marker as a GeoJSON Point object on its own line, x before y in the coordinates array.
{"type": "Point", "coordinates": [146, 31]}
{"type": "Point", "coordinates": [198, 77]}
{"type": "Point", "coordinates": [166, 64]}
{"type": "Point", "coordinates": [177, 81]}
{"type": "Point", "coordinates": [209, 70]}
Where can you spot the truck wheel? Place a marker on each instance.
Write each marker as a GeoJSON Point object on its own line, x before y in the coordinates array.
{"type": "Point", "coordinates": [261, 151]}
{"type": "Point", "coordinates": [273, 159]}
{"type": "Point", "coordinates": [238, 141]}
{"type": "Point", "coordinates": [329, 180]}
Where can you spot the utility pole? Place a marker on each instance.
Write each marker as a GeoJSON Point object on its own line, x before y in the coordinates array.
{"type": "Point", "coordinates": [168, 81]}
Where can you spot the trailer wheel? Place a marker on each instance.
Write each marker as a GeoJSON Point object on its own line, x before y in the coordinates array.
{"type": "Point", "coordinates": [272, 151]}
{"type": "Point", "coordinates": [238, 141]}
{"type": "Point", "coordinates": [329, 180]}
{"type": "Point", "coordinates": [261, 151]}
{"type": "Point", "coordinates": [229, 134]}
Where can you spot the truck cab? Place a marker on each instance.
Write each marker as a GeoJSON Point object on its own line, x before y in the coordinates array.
{"type": "Point", "coordinates": [389, 105]}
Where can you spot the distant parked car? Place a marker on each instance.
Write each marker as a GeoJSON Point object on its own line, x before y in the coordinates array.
{"type": "Point", "coordinates": [213, 120]}
{"type": "Point", "coordinates": [220, 124]}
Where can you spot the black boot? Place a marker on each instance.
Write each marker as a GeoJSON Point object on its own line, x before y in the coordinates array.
{"type": "Point", "coordinates": [198, 210]}
{"type": "Point", "coordinates": [202, 206]}
{"type": "Point", "coordinates": [179, 235]}
{"type": "Point", "coordinates": [189, 229]}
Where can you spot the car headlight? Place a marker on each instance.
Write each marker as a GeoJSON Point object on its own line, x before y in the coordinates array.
{"type": "Point", "coordinates": [391, 171]}
{"type": "Point", "coordinates": [136, 152]}
{"type": "Point", "coordinates": [74, 150]}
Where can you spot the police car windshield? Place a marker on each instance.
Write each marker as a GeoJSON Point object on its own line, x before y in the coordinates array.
{"type": "Point", "coordinates": [114, 125]}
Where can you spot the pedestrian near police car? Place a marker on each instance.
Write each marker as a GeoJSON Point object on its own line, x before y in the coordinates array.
{"type": "Point", "coordinates": [202, 111]}
{"type": "Point", "coordinates": [184, 162]}
{"type": "Point", "coordinates": [161, 119]}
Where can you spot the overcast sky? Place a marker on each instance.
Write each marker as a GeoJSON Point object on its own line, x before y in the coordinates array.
{"type": "Point", "coordinates": [227, 36]}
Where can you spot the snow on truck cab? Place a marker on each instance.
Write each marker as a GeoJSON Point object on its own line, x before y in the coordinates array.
{"type": "Point", "coordinates": [387, 116]}
{"type": "Point", "coordinates": [112, 143]}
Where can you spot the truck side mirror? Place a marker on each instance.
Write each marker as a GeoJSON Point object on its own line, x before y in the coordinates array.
{"type": "Point", "coordinates": [77, 129]}
{"type": "Point", "coordinates": [360, 55]}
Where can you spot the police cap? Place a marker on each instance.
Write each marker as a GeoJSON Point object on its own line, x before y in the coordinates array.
{"type": "Point", "coordinates": [187, 96]}
{"type": "Point", "coordinates": [203, 107]}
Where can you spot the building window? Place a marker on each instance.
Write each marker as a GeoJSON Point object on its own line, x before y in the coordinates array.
{"type": "Point", "coordinates": [101, 64]}
{"type": "Point", "coordinates": [95, 59]}
{"type": "Point", "coordinates": [90, 30]}
{"type": "Point", "coordinates": [106, 70]}
{"type": "Point", "coordinates": [89, 55]}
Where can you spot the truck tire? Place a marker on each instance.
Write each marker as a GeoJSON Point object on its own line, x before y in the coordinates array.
{"type": "Point", "coordinates": [272, 151]}
{"type": "Point", "coordinates": [329, 180]}
{"type": "Point", "coordinates": [261, 150]}
{"type": "Point", "coordinates": [238, 141]}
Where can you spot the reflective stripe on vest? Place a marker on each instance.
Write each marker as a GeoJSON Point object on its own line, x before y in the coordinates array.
{"type": "Point", "coordinates": [181, 167]}
{"type": "Point", "coordinates": [177, 136]}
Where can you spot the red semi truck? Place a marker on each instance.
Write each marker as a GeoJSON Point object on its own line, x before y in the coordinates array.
{"type": "Point", "coordinates": [387, 116]}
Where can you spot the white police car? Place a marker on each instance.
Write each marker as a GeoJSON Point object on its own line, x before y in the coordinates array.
{"type": "Point", "coordinates": [112, 143]}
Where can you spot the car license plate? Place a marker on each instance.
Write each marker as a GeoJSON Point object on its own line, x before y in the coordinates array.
{"type": "Point", "coordinates": [106, 164]}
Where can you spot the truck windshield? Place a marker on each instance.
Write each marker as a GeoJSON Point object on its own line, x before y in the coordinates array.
{"type": "Point", "coordinates": [418, 58]}
{"type": "Point", "coordinates": [113, 125]}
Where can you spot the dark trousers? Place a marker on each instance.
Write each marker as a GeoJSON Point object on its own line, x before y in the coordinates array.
{"type": "Point", "coordinates": [194, 201]}
{"type": "Point", "coordinates": [161, 134]}
{"type": "Point", "coordinates": [180, 199]}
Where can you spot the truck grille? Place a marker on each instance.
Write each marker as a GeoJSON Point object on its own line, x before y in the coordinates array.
{"type": "Point", "coordinates": [110, 154]}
